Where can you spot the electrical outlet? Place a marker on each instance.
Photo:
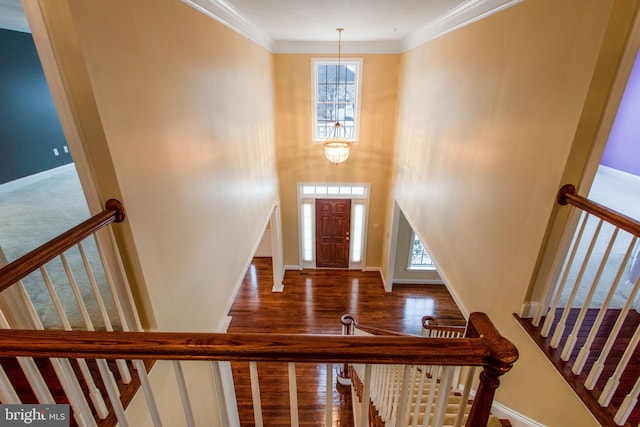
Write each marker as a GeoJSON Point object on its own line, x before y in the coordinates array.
{"type": "Point", "coordinates": [55, 152]}
{"type": "Point", "coordinates": [66, 149]}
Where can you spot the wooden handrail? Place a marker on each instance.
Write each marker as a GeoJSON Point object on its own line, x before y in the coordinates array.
{"type": "Point", "coordinates": [479, 351]}
{"type": "Point", "coordinates": [26, 264]}
{"type": "Point", "coordinates": [431, 323]}
{"type": "Point", "coordinates": [350, 320]}
{"type": "Point", "coordinates": [567, 195]}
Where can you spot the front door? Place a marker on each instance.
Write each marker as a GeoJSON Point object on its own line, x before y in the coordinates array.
{"type": "Point", "coordinates": [333, 223]}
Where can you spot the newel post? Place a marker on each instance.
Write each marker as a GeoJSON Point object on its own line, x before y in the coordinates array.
{"type": "Point", "coordinates": [501, 356]}
{"type": "Point", "coordinates": [349, 322]}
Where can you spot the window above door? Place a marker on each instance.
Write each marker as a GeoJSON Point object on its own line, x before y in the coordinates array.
{"type": "Point", "coordinates": [336, 97]}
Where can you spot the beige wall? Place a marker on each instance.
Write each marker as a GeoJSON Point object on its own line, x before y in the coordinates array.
{"type": "Point", "coordinates": [186, 108]}
{"type": "Point", "coordinates": [487, 118]}
{"type": "Point", "coordinates": [300, 160]}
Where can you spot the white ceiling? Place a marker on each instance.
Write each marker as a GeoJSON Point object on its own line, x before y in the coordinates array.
{"type": "Point", "coordinates": [310, 25]}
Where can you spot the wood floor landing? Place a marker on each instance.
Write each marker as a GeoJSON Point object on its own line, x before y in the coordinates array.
{"type": "Point", "coordinates": [312, 303]}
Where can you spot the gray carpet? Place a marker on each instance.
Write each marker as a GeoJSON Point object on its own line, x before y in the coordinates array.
{"type": "Point", "coordinates": [36, 209]}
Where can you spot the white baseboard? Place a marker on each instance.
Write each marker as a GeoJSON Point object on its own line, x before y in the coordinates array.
{"type": "Point", "coordinates": [529, 309]}
{"type": "Point", "coordinates": [516, 418]}
{"type": "Point", "coordinates": [223, 326]}
{"type": "Point", "coordinates": [417, 282]}
{"type": "Point", "coordinates": [292, 267]}
{"type": "Point", "coordinates": [278, 288]}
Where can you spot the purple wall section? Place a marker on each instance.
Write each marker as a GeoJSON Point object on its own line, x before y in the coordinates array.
{"type": "Point", "coordinates": [623, 148]}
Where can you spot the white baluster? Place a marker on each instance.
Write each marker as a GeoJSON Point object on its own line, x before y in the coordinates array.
{"type": "Point", "coordinates": [31, 372]}
{"type": "Point", "coordinates": [293, 395]}
{"type": "Point", "coordinates": [94, 393]}
{"type": "Point", "coordinates": [329, 397]}
{"type": "Point", "coordinates": [573, 336]}
{"type": "Point", "coordinates": [148, 394]}
{"type": "Point", "coordinates": [184, 395]}
{"type": "Point", "coordinates": [255, 393]}
{"type": "Point", "coordinates": [64, 369]}
{"type": "Point", "coordinates": [8, 394]}
{"type": "Point", "coordinates": [403, 409]}
{"type": "Point", "coordinates": [598, 366]}
{"type": "Point", "coordinates": [580, 361]}
{"type": "Point", "coordinates": [628, 404]}
{"type": "Point", "coordinates": [94, 288]}
{"type": "Point", "coordinates": [366, 393]}
{"type": "Point", "coordinates": [557, 335]}
{"type": "Point", "coordinates": [112, 392]}
{"type": "Point", "coordinates": [552, 280]}
{"type": "Point", "coordinates": [429, 406]}
{"type": "Point", "coordinates": [416, 410]}
{"type": "Point", "coordinates": [614, 381]}
{"type": "Point", "coordinates": [471, 370]}
{"type": "Point", "coordinates": [548, 321]}
{"type": "Point", "coordinates": [443, 396]}
{"type": "Point", "coordinates": [397, 388]}
{"type": "Point", "coordinates": [220, 396]}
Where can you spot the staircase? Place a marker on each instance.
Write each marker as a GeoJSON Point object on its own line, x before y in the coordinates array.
{"type": "Point", "coordinates": [414, 395]}
{"type": "Point", "coordinates": [585, 320]}
{"type": "Point", "coordinates": [424, 392]}
{"type": "Point", "coordinates": [95, 371]}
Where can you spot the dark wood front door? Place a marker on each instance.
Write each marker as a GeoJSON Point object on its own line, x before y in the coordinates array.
{"type": "Point", "coordinates": [333, 222]}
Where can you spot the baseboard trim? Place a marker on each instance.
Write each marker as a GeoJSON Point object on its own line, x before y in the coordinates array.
{"type": "Point", "coordinates": [417, 282]}
{"type": "Point", "coordinates": [292, 267]}
{"type": "Point", "coordinates": [515, 418]}
{"type": "Point", "coordinates": [529, 309]}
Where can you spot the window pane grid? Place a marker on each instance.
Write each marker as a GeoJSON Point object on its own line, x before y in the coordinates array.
{"type": "Point", "coordinates": [336, 98]}
{"type": "Point", "coordinates": [419, 257]}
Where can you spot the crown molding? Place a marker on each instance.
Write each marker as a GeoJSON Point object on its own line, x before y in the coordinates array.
{"type": "Point", "coordinates": [464, 14]}
{"type": "Point", "coordinates": [227, 15]}
{"type": "Point", "coordinates": [349, 48]}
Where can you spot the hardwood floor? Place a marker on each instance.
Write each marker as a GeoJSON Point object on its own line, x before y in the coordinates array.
{"type": "Point", "coordinates": [312, 303]}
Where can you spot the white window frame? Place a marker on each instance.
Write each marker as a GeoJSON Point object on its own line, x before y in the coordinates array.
{"type": "Point", "coordinates": [410, 266]}
{"type": "Point", "coordinates": [314, 88]}
{"type": "Point", "coordinates": [359, 195]}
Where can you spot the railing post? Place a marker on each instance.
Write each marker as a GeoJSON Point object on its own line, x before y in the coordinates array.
{"type": "Point", "coordinates": [349, 322]}
{"type": "Point", "coordinates": [503, 355]}
{"type": "Point", "coordinates": [481, 408]}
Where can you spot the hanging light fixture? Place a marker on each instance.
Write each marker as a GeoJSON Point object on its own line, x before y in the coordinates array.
{"type": "Point", "coordinates": [336, 147]}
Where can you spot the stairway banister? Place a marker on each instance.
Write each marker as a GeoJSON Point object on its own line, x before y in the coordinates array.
{"type": "Point", "coordinates": [28, 263]}
{"type": "Point", "coordinates": [245, 347]}
{"type": "Point", "coordinates": [350, 322]}
{"type": "Point", "coordinates": [567, 195]}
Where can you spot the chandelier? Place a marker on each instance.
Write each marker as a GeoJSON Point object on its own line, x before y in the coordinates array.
{"type": "Point", "coordinates": [336, 147]}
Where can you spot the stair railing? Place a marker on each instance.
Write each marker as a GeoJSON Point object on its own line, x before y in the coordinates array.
{"type": "Point", "coordinates": [602, 247]}
{"type": "Point", "coordinates": [423, 393]}
{"type": "Point", "coordinates": [483, 346]}
{"type": "Point", "coordinates": [83, 356]}
{"type": "Point", "coordinates": [72, 271]}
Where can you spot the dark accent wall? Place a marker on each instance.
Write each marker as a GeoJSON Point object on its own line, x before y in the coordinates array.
{"type": "Point", "coordinates": [29, 126]}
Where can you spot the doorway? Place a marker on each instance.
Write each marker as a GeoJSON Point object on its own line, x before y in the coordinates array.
{"type": "Point", "coordinates": [333, 227]}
